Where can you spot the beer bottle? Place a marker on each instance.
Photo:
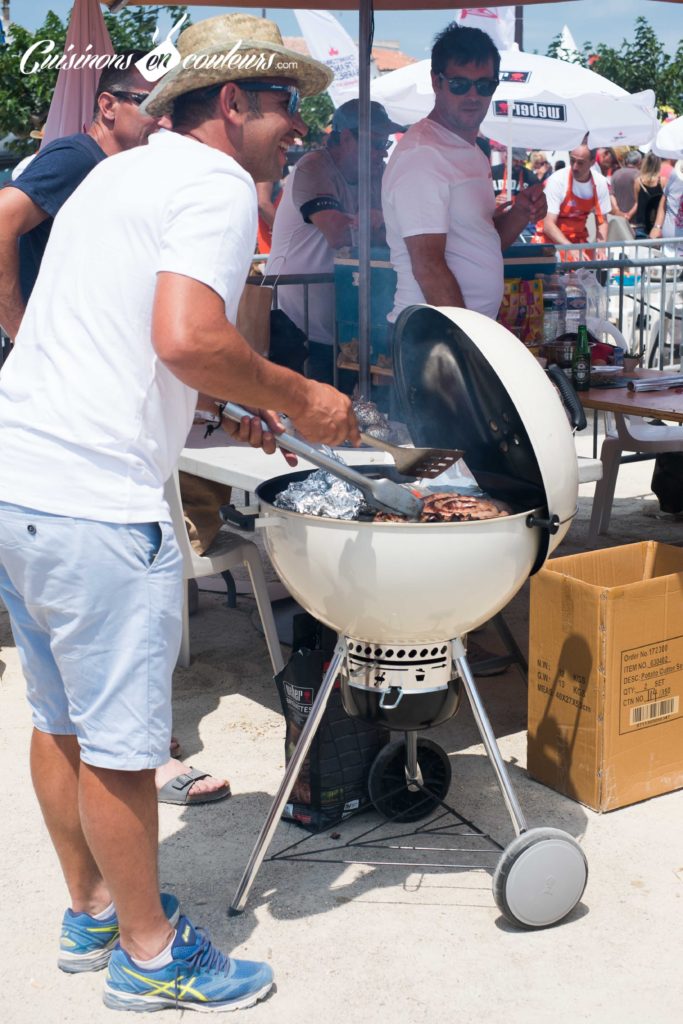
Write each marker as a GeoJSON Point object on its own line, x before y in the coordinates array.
{"type": "Point", "coordinates": [581, 363]}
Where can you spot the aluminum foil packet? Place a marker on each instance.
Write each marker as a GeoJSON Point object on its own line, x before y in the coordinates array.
{"type": "Point", "coordinates": [371, 421]}
{"type": "Point", "coordinates": [322, 494]}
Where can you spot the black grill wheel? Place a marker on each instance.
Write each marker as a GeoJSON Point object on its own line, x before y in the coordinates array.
{"type": "Point", "coordinates": [387, 784]}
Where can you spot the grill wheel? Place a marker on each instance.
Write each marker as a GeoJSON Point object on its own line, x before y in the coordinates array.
{"type": "Point", "coordinates": [387, 783]}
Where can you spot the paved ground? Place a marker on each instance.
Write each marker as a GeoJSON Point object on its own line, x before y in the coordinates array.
{"type": "Point", "coordinates": [362, 943]}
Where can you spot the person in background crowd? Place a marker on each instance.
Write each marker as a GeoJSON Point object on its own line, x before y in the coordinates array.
{"type": "Point", "coordinates": [559, 164]}
{"type": "Point", "coordinates": [572, 194]}
{"type": "Point", "coordinates": [444, 231]}
{"type": "Point", "coordinates": [607, 161]}
{"type": "Point", "coordinates": [269, 194]}
{"type": "Point", "coordinates": [669, 220]}
{"type": "Point", "coordinates": [317, 216]}
{"type": "Point", "coordinates": [623, 180]}
{"type": "Point", "coordinates": [540, 165]}
{"type": "Point", "coordinates": [19, 168]}
{"type": "Point", "coordinates": [520, 178]}
{"type": "Point", "coordinates": [666, 169]}
{"type": "Point", "coordinates": [647, 194]}
{"type": "Point", "coordinates": [445, 235]}
{"type": "Point", "coordinates": [604, 172]}
{"type": "Point", "coordinates": [29, 204]}
{"type": "Point", "coordinates": [96, 401]}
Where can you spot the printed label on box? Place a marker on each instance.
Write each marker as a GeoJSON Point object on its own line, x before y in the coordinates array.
{"type": "Point", "coordinates": [567, 687]}
{"type": "Point", "coordinates": [651, 684]}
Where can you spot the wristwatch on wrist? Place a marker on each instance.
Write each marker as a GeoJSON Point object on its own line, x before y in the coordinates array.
{"type": "Point", "coordinates": [212, 420]}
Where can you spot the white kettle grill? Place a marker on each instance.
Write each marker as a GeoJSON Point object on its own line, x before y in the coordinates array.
{"type": "Point", "coordinates": [403, 595]}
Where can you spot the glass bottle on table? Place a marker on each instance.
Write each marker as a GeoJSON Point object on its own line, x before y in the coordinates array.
{"type": "Point", "coordinates": [581, 363]}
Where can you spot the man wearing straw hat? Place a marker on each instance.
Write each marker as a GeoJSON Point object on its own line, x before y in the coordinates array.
{"type": "Point", "coordinates": [95, 403]}
{"type": "Point", "coordinates": [27, 211]}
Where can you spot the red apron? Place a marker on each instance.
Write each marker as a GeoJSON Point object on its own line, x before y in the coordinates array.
{"type": "Point", "coordinates": [572, 216]}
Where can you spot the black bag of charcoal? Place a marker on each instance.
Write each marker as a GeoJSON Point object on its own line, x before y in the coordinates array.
{"type": "Point", "coordinates": [333, 781]}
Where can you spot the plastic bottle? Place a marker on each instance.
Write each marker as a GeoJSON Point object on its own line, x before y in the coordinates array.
{"type": "Point", "coordinates": [581, 363]}
{"type": "Point", "coordinates": [596, 296]}
{"type": "Point", "coordinates": [554, 307]}
{"type": "Point", "coordinates": [576, 304]}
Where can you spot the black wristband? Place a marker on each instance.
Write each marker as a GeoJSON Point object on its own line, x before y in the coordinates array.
{"type": "Point", "coordinates": [317, 205]}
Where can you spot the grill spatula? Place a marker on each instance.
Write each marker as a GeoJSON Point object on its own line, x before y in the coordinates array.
{"type": "Point", "coordinates": [385, 495]}
{"type": "Point", "coordinates": [423, 463]}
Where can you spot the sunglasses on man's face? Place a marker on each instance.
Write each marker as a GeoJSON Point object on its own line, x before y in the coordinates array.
{"type": "Point", "coordinates": [133, 97]}
{"type": "Point", "coordinates": [376, 143]}
{"type": "Point", "coordinates": [459, 85]}
{"type": "Point", "coordinates": [292, 92]}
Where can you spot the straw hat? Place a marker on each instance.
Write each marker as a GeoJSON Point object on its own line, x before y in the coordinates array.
{"type": "Point", "coordinates": [257, 53]}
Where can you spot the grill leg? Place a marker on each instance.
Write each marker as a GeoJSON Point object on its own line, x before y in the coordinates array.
{"type": "Point", "coordinates": [413, 773]}
{"type": "Point", "coordinates": [488, 738]}
{"type": "Point", "coordinates": [281, 797]}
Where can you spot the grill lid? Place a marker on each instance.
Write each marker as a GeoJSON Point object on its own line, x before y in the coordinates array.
{"type": "Point", "coordinates": [463, 381]}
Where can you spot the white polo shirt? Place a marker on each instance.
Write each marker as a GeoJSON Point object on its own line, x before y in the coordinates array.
{"type": "Point", "coordinates": [92, 422]}
{"type": "Point", "coordinates": [437, 183]}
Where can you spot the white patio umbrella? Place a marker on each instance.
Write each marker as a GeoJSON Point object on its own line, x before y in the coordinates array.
{"type": "Point", "coordinates": [540, 102]}
{"type": "Point", "coordinates": [668, 142]}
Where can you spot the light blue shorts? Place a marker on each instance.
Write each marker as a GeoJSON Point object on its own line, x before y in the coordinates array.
{"type": "Point", "coordinates": [95, 610]}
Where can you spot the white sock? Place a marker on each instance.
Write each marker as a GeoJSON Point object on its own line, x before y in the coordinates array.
{"type": "Point", "coordinates": [104, 914]}
{"type": "Point", "coordinates": [160, 960]}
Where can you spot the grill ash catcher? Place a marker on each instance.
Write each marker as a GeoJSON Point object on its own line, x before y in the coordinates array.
{"type": "Point", "coordinates": [402, 596]}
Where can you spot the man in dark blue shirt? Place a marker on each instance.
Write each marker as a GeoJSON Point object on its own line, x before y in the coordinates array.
{"type": "Point", "coordinates": [29, 204]}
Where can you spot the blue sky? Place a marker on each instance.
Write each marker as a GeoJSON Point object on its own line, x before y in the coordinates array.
{"type": "Point", "coordinates": [607, 21]}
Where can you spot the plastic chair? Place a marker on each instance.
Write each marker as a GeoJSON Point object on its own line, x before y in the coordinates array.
{"type": "Point", "coordinates": [225, 553]}
{"type": "Point", "coordinates": [625, 434]}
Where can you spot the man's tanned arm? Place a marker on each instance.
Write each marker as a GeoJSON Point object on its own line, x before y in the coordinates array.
{"type": "Point", "coordinates": [432, 273]}
{"type": "Point", "coordinates": [18, 214]}
{"type": "Point", "coordinates": [193, 338]}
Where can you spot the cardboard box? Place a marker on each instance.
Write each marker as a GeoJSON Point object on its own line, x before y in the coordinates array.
{"type": "Point", "coordinates": [606, 674]}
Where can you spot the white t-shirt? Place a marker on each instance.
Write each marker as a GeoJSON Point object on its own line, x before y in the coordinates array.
{"type": "Point", "coordinates": [556, 190]}
{"type": "Point", "coordinates": [299, 247]}
{"type": "Point", "coordinates": [437, 183]}
{"type": "Point", "coordinates": [673, 209]}
{"type": "Point", "coordinates": [92, 422]}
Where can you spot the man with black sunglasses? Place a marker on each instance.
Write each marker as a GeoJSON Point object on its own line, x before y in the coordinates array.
{"type": "Point", "coordinates": [444, 231]}
{"type": "Point", "coordinates": [29, 204]}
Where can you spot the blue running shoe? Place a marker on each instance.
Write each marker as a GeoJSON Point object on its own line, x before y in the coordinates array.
{"type": "Point", "coordinates": [199, 977]}
{"type": "Point", "coordinates": [86, 943]}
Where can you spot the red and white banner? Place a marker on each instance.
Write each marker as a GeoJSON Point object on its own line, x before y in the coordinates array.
{"type": "Point", "coordinates": [497, 22]}
{"type": "Point", "coordinates": [331, 44]}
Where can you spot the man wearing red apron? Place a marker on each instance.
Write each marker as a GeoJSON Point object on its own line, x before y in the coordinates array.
{"type": "Point", "coordinates": [572, 194]}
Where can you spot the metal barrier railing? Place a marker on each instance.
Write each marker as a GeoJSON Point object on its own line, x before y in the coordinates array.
{"type": "Point", "coordinates": [643, 281]}
{"type": "Point", "coordinates": [275, 281]}
{"type": "Point", "coordinates": [306, 281]}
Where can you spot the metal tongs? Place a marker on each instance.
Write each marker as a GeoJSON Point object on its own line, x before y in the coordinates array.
{"type": "Point", "coordinates": [382, 494]}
